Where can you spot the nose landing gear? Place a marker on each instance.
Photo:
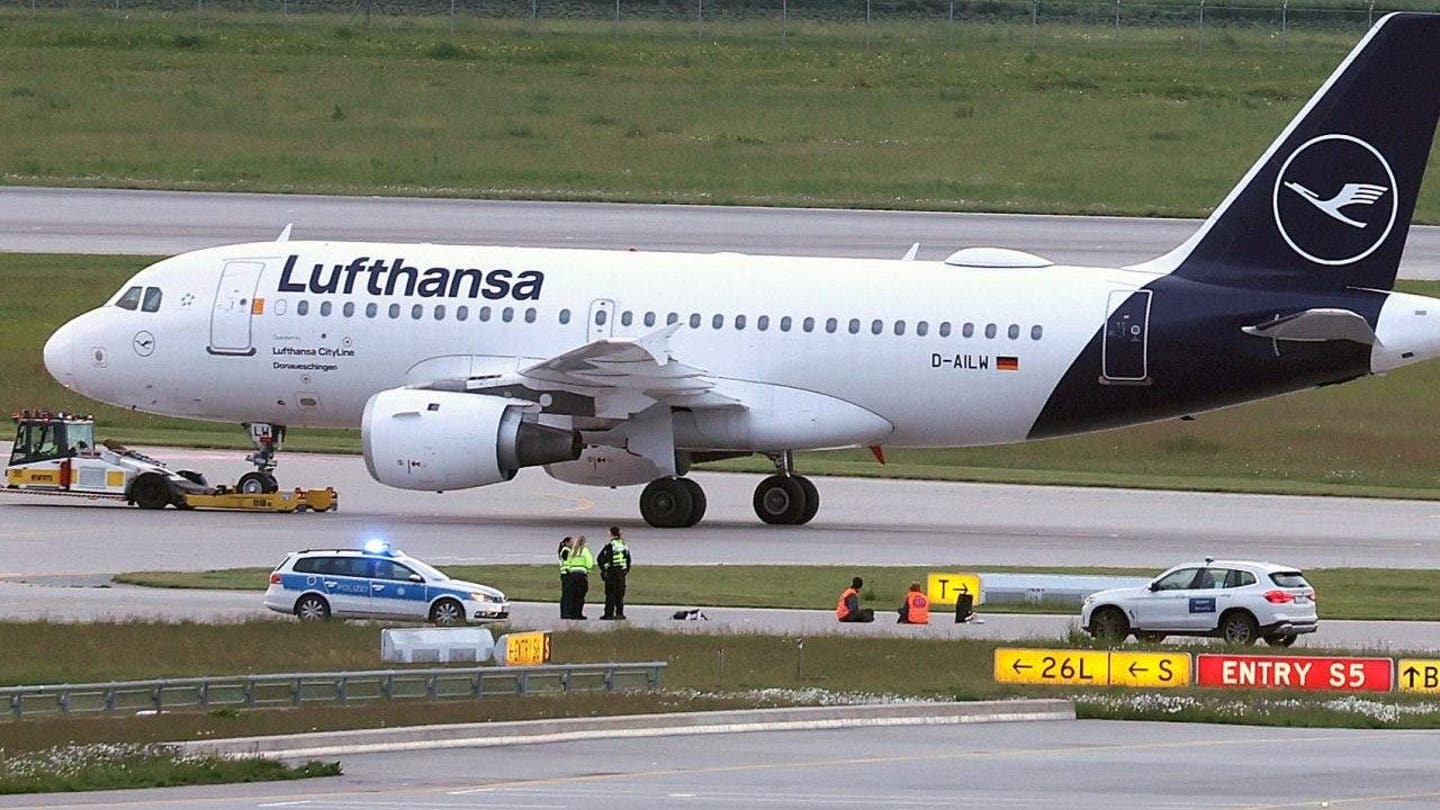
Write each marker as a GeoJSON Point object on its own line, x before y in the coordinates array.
{"type": "Point", "coordinates": [267, 439]}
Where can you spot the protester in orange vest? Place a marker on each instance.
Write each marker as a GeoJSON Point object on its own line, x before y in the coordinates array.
{"type": "Point", "coordinates": [916, 608]}
{"type": "Point", "coordinates": [848, 608]}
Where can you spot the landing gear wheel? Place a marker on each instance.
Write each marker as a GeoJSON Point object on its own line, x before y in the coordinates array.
{"type": "Point", "coordinates": [1280, 639]}
{"type": "Point", "coordinates": [812, 500]}
{"type": "Point", "coordinates": [667, 503]}
{"type": "Point", "coordinates": [257, 483]}
{"type": "Point", "coordinates": [780, 500]}
{"type": "Point", "coordinates": [1239, 627]}
{"type": "Point", "coordinates": [697, 502]}
{"type": "Point", "coordinates": [447, 613]}
{"type": "Point", "coordinates": [312, 608]}
{"type": "Point", "coordinates": [150, 492]}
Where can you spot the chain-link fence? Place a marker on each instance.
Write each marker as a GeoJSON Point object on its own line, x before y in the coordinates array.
{"type": "Point", "coordinates": [707, 16]}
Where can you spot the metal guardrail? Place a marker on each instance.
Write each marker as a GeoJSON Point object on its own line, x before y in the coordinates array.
{"type": "Point", "coordinates": [313, 688]}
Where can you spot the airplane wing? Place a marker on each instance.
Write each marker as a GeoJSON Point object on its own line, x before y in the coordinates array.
{"type": "Point", "coordinates": [612, 378]}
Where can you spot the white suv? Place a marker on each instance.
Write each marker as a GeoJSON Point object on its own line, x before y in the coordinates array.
{"type": "Point", "coordinates": [1236, 600]}
{"type": "Point", "coordinates": [377, 583]}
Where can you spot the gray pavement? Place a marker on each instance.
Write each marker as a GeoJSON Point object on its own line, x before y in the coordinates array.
{"type": "Point", "coordinates": [167, 222]}
{"type": "Point", "coordinates": [1077, 765]}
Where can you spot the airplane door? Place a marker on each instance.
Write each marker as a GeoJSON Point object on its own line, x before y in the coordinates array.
{"type": "Point", "coordinates": [602, 318]}
{"type": "Point", "coordinates": [1127, 336]}
{"type": "Point", "coordinates": [234, 305]}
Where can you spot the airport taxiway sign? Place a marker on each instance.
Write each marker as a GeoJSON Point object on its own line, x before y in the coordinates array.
{"type": "Point", "coordinates": [1339, 674]}
{"type": "Point", "coordinates": [1149, 669]}
{"type": "Point", "coordinates": [1074, 667]}
{"type": "Point", "coordinates": [943, 589]}
{"type": "Point", "coordinates": [1418, 675]}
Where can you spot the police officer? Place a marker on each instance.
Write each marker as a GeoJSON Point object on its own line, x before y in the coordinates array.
{"type": "Point", "coordinates": [576, 569]}
{"type": "Point", "coordinates": [614, 563]}
{"type": "Point", "coordinates": [564, 552]}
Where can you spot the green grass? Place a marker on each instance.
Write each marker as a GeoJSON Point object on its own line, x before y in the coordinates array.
{"type": "Point", "coordinates": [1372, 437]}
{"type": "Point", "coordinates": [1344, 593]}
{"type": "Point", "coordinates": [974, 116]}
{"type": "Point", "coordinates": [70, 768]}
{"type": "Point", "coordinates": [704, 672]}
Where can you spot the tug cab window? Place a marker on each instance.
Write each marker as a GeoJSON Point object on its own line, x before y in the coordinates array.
{"type": "Point", "coordinates": [130, 300]}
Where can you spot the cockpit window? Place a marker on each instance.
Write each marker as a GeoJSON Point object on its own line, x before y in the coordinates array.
{"type": "Point", "coordinates": [152, 299]}
{"type": "Point", "coordinates": [130, 300]}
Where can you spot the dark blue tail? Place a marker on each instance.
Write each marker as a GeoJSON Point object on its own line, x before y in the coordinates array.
{"type": "Point", "coordinates": [1328, 205]}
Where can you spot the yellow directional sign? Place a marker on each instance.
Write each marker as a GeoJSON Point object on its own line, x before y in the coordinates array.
{"type": "Point", "coordinates": [525, 648]}
{"type": "Point", "coordinates": [1149, 669]}
{"type": "Point", "coordinates": [1418, 675]}
{"type": "Point", "coordinates": [942, 589]}
{"type": "Point", "coordinates": [1076, 667]}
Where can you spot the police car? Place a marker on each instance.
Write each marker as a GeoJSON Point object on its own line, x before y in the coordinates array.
{"type": "Point", "coordinates": [1237, 600]}
{"type": "Point", "coordinates": [377, 583]}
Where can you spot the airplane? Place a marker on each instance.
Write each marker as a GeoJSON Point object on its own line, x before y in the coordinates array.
{"type": "Point", "coordinates": [461, 365]}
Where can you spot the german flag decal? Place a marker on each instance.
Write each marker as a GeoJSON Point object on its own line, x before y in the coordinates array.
{"type": "Point", "coordinates": [1003, 363]}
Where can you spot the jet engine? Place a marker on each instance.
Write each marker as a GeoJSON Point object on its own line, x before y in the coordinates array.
{"type": "Point", "coordinates": [438, 440]}
{"type": "Point", "coordinates": [602, 466]}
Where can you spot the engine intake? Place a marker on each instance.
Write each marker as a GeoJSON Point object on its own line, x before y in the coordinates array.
{"type": "Point", "coordinates": [438, 440]}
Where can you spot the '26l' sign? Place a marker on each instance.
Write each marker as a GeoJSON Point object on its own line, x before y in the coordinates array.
{"type": "Point", "coordinates": [1295, 672]}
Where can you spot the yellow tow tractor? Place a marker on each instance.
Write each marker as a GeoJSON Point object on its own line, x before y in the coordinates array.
{"type": "Point", "coordinates": [56, 454]}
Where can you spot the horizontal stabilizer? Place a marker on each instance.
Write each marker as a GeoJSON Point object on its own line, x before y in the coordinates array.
{"type": "Point", "coordinates": [1314, 325]}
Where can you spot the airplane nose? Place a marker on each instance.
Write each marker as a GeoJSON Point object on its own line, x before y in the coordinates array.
{"type": "Point", "coordinates": [59, 355]}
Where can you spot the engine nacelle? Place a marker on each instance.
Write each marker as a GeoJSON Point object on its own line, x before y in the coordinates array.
{"type": "Point", "coordinates": [603, 466]}
{"type": "Point", "coordinates": [439, 440]}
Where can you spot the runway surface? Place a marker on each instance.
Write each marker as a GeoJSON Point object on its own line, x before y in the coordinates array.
{"type": "Point", "coordinates": [167, 222]}
{"type": "Point", "coordinates": [1077, 765]}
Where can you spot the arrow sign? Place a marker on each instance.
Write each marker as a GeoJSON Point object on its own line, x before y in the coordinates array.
{"type": "Point", "coordinates": [1017, 666]}
{"type": "Point", "coordinates": [1136, 668]}
{"type": "Point", "coordinates": [1410, 673]}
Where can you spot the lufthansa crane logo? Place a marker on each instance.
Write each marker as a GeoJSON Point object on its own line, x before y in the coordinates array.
{"type": "Point", "coordinates": [1335, 200]}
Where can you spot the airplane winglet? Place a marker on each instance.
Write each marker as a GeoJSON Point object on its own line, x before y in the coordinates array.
{"type": "Point", "coordinates": [911, 253]}
{"type": "Point", "coordinates": [285, 234]}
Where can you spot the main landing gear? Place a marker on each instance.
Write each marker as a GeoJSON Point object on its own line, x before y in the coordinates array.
{"type": "Point", "coordinates": [783, 499]}
{"type": "Point", "coordinates": [786, 499]}
{"type": "Point", "coordinates": [267, 439]}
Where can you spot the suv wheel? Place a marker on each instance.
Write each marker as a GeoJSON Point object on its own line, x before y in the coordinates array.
{"type": "Point", "coordinates": [1109, 625]}
{"type": "Point", "coordinates": [312, 608]}
{"type": "Point", "coordinates": [447, 613]}
{"type": "Point", "coordinates": [1239, 627]}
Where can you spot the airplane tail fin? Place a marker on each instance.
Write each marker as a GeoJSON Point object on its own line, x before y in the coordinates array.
{"type": "Point", "coordinates": [1328, 205]}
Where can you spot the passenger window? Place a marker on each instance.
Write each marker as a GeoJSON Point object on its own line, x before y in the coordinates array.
{"type": "Point", "coordinates": [564, 316]}
{"type": "Point", "coordinates": [325, 308]}
{"type": "Point", "coordinates": [626, 318]}
{"type": "Point", "coordinates": [462, 313]}
{"type": "Point", "coordinates": [1013, 332]}
{"type": "Point", "coordinates": [944, 329]}
{"type": "Point", "coordinates": [672, 318]}
{"type": "Point", "coordinates": [417, 312]}
{"type": "Point", "coordinates": [718, 322]}
{"type": "Point", "coordinates": [899, 327]}
{"type": "Point", "coordinates": [371, 309]}
{"type": "Point", "coordinates": [484, 313]}
{"type": "Point", "coordinates": [968, 330]}
{"type": "Point", "coordinates": [762, 323]}
{"type": "Point", "coordinates": [302, 308]}
{"type": "Point", "coordinates": [831, 325]}
{"type": "Point", "coordinates": [439, 312]}
{"type": "Point", "coordinates": [694, 320]}
{"type": "Point", "coordinates": [394, 311]}
{"type": "Point", "coordinates": [854, 326]}
{"type": "Point", "coordinates": [922, 328]}
{"type": "Point", "coordinates": [1235, 578]}
{"type": "Point", "coordinates": [808, 325]}
{"type": "Point", "coordinates": [348, 309]}
{"type": "Point", "coordinates": [530, 315]}
{"type": "Point", "coordinates": [600, 317]}
{"type": "Point", "coordinates": [739, 322]}
{"type": "Point", "coordinates": [1177, 580]}
{"type": "Point", "coordinates": [507, 314]}
{"type": "Point", "coordinates": [877, 326]}
{"type": "Point", "coordinates": [649, 319]}
{"type": "Point", "coordinates": [152, 299]}
{"type": "Point", "coordinates": [990, 331]}
{"type": "Point", "coordinates": [1036, 332]}
{"type": "Point", "coordinates": [130, 300]}
{"type": "Point", "coordinates": [785, 323]}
